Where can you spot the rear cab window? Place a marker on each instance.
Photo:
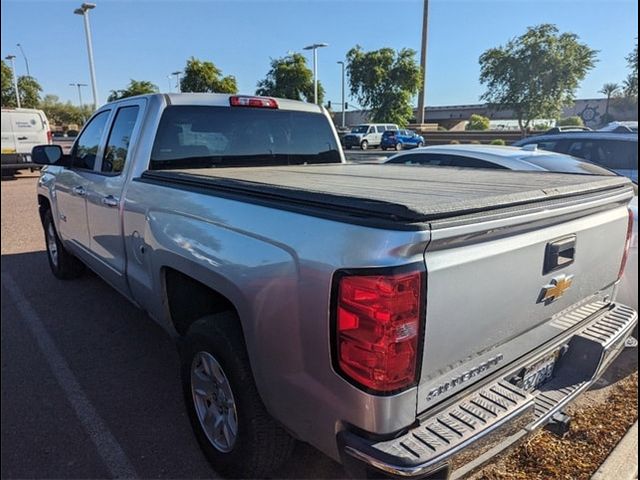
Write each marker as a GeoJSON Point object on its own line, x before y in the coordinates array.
{"type": "Point", "coordinates": [206, 137]}
{"type": "Point", "coordinates": [117, 148]}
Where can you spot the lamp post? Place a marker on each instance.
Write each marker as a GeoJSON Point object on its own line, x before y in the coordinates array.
{"type": "Point", "coordinates": [84, 11]}
{"type": "Point", "coordinates": [423, 63]}
{"type": "Point", "coordinates": [315, 48]}
{"type": "Point", "coordinates": [343, 112]}
{"type": "Point", "coordinates": [177, 75]}
{"type": "Point", "coordinates": [26, 62]}
{"type": "Point", "coordinates": [80, 85]}
{"type": "Point", "coordinates": [169, 82]}
{"type": "Point", "coordinates": [12, 59]}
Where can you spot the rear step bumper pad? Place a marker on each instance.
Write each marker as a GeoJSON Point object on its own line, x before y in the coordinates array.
{"type": "Point", "coordinates": [480, 424]}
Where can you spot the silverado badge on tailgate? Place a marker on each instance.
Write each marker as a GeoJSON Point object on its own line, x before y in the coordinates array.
{"type": "Point", "coordinates": [558, 286]}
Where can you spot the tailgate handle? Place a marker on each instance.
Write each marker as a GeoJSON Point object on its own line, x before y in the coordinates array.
{"type": "Point", "coordinates": [22, 138]}
{"type": "Point", "coordinates": [560, 253]}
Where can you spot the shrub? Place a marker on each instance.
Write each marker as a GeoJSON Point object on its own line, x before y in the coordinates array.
{"type": "Point", "coordinates": [475, 142]}
{"type": "Point", "coordinates": [497, 141]}
{"type": "Point", "coordinates": [454, 142]}
{"type": "Point", "coordinates": [574, 121]}
{"type": "Point", "coordinates": [477, 122]}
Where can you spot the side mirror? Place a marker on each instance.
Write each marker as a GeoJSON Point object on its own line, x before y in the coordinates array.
{"type": "Point", "coordinates": [49, 155]}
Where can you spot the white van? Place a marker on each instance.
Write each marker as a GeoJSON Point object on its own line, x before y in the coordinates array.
{"type": "Point", "coordinates": [22, 129]}
{"type": "Point", "coordinates": [367, 135]}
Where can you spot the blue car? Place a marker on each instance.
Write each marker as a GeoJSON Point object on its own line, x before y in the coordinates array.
{"type": "Point", "coordinates": [399, 139]}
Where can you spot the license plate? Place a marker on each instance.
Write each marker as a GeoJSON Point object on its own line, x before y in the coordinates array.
{"type": "Point", "coordinates": [538, 373]}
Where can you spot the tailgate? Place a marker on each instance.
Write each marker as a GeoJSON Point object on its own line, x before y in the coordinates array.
{"type": "Point", "coordinates": [486, 288]}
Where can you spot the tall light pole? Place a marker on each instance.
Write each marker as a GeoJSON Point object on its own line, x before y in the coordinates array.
{"type": "Point", "coordinates": [80, 85]}
{"type": "Point", "coordinates": [26, 62]}
{"type": "Point", "coordinates": [177, 75]}
{"type": "Point", "coordinates": [315, 48]}
{"type": "Point", "coordinates": [423, 62]}
{"type": "Point", "coordinates": [12, 59]}
{"type": "Point", "coordinates": [169, 82]}
{"type": "Point", "coordinates": [84, 11]}
{"type": "Point", "coordinates": [343, 112]}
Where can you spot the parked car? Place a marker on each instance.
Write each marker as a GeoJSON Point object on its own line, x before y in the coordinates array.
{"type": "Point", "coordinates": [367, 135]}
{"type": "Point", "coordinates": [399, 139]}
{"type": "Point", "coordinates": [22, 129]}
{"type": "Point", "coordinates": [297, 283]}
{"type": "Point", "coordinates": [528, 159]}
{"type": "Point", "coordinates": [567, 128]}
{"type": "Point", "coordinates": [620, 127]}
{"type": "Point", "coordinates": [616, 151]}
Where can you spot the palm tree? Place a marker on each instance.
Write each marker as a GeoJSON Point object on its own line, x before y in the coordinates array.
{"type": "Point", "coordinates": [609, 89]}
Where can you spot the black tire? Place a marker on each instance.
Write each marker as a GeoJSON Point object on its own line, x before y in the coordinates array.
{"type": "Point", "coordinates": [384, 149]}
{"type": "Point", "coordinates": [261, 445]}
{"type": "Point", "coordinates": [420, 144]}
{"type": "Point", "coordinates": [348, 147]}
{"type": "Point", "coordinates": [364, 145]}
{"type": "Point", "coordinates": [398, 146]}
{"type": "Point", "coordinates": [63, 265]}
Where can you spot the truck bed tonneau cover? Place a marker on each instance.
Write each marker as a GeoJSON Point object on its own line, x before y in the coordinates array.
{"type": "Point", "coordinates": [388, 192]}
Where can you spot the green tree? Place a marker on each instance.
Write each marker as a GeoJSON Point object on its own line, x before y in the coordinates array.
{"type": "Point", "coordinates": [631, 82]}
{"type": "Point", "coordinates": [135, 87]}
{"type": "Point", "coordinates": [574, 121]}
{"type": "Point", "coordinates": [63, 114]}
{"type": "Point", "coordinates": [30, 90]}
{"type": "Point", "coordinates": [290, 77]}
{"type": "Point", "coordinates": [28, 87]}
{"type": "Point", "coordinates": [202, 76]}
{"type": "Point", "coordinates": [477, 122]}
{"type": "Point", "coordinates": [8, 94]}
{"type": "Point", "coordinates": [497, 141]}
{"type": "Point", "coordinates": [536, 74]}
{"type": "Point", "coordinates": [384, 81]}
{"type": "Point", "coordinates": [609, 90]}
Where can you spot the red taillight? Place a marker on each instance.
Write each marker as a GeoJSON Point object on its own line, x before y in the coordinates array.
{"type": "Point", "coordinates": [378, 329]}
{"type": "Point", "coordinates": [257, 102]}
{"type": "Point", "coordinates": [627, 244]}
{"type": "Point", "coordinates": [49, 136]}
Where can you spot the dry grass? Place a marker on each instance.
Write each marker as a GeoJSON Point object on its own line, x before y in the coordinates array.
{"type": "Point", "coordinates": [595, 431]}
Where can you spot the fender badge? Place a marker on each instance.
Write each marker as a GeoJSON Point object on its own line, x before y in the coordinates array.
{"type": "Point", "coordinates": [558, 286]}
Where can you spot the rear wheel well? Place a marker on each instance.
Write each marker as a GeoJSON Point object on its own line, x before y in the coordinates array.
{"type": "Point", "coordinates": [189, 300]}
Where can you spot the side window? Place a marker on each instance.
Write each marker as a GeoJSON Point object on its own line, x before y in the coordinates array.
{"type": "Point", "coordinates": [380, 128]}
{"type": "Point", "coordinates": [118, 142]}
{"type": "Point", "coordinates": [549, 145]}
{"type": "Point", "coordinates": [420, 159]}
{"type": "Point", "coordinates": [470, 162]}
{"type": "Point", "coordinates": [86, 147]}
{"type": "Point", "coordinates": [577, 149]}
{"type": "Point", "coordinates": [616, 155]}
{"type": "Point", "coordinates": [371, 130]}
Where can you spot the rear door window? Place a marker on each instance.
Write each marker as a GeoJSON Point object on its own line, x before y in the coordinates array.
{"type": "Point", "coordinates": [380, 128]}
{"type": "Point", "coordinates": [205, 137]}
{"type": "Point", "coordinates": [115, 154]}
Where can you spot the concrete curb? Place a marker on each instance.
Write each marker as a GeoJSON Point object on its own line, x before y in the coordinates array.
{"type": "Point", "coordinates": [622, 463]}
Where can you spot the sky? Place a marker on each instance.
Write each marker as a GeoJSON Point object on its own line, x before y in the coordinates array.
{"type": "Point", "coordinates": [147, 40]}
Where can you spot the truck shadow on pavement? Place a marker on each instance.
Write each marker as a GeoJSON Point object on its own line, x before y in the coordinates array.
{"type": "Point", "coordinates": [127, 367]}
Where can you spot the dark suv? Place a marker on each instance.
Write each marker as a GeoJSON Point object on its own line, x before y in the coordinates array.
{"type": "Point", "coordinates": [616, 151]}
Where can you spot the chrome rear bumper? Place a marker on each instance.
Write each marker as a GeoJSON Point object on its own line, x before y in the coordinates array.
{"type": "Point", "coordinates": [476, 425]}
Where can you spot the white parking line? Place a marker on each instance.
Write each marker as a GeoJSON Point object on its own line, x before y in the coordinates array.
{"type": "Point", "coordinates": [107, 446]}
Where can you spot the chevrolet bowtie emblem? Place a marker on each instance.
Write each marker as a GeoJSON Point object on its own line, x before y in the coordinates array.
{"type": "Point", "coordinates": [558, 286]}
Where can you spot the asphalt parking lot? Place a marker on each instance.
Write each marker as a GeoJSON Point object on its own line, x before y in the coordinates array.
{"type": "Point", "coordinates": [90, 385]}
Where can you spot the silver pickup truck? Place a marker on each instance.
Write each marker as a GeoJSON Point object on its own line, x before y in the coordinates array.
{"type": "Point", "coordinates": [409, 322]}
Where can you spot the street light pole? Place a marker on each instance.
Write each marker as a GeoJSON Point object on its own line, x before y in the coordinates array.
{"type": "Point", "coordinates": [343, 112]}
{"type": "Point", "coordinates": [315, 48]}
{"type": "Point", "coordinates": [177, 75]}
{"type": "Point", "coordinates": [12, 59]}
{"type": "Point", "coordinates": [423, 63]}
{"type": "Point", "coordinates": [79, 85]}
{"type": "Point", "coordinates": [84, 11]}
{"type": "Point", "coordinates": [169, 82]}
{"type": "Point", "coordinates": [26, 62]}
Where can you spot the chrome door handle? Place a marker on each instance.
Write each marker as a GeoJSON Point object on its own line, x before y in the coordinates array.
{"type": "Point", "coordinates": [79, 190]}
{"type": "Point", "coordinates": [22, 138]}
{"type": "Point", "coordinates": [110, 201]}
